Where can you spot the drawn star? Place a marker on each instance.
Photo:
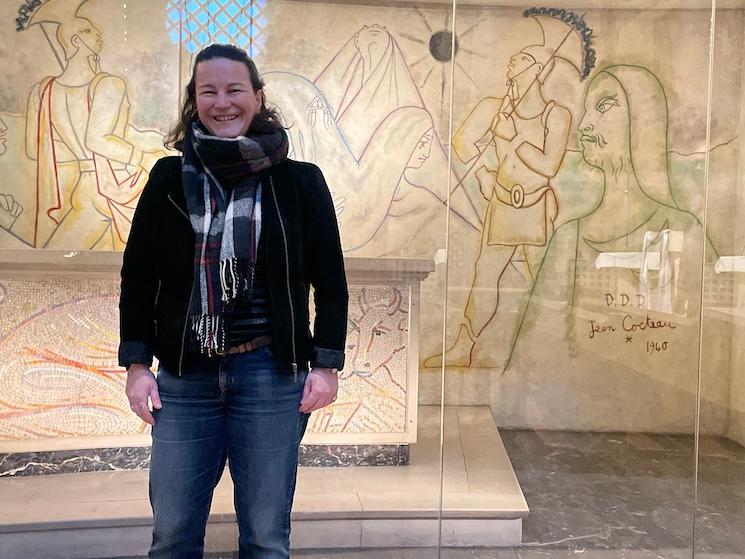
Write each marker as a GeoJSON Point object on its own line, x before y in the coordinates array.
{"type": "Point", "coordinates": [628, 339]}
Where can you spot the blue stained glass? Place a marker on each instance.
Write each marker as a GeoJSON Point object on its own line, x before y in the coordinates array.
{"type": "Point", "coordinates": [203, 37]}
{"type": "Point", "coordinates": [241, 21]}
{"type": "Point", "coordinates": [202, 17]}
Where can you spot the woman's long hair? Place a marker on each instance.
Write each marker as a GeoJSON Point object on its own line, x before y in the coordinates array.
{"type": "Point", "coordinates": [266, 120]}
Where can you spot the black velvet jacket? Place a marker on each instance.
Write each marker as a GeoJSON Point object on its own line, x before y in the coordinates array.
{"type": "Point", "coordinates": [300, 240]}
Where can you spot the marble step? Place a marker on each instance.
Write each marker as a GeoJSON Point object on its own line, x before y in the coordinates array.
{"type": "Point", "coordinates": [107, 514]}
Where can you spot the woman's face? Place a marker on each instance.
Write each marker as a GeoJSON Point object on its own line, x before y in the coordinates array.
{"type": "Point", "coordinates": [421, 151]}
{"type": "Point", "coordinates": [604, 128]}
{"type": "Point", "coordinates": [226, 101]}
{"type": "Point", "coordinates": [371, 41]}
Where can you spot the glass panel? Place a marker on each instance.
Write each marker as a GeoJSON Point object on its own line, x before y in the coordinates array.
{"type": "Point", "coordinates": [368, 102]}
{"type": "Point", "coordinates": [573, 312]}
{"type": "Point", "coordinates": [720, 513]}
{"type": "Point", "coordinates": [364, 90]}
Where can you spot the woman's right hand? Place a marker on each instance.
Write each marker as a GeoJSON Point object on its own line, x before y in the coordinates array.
{"type": "Point", "coordinates": [141, 385]}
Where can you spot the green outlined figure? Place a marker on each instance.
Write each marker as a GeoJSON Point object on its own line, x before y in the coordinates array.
{"type": "Point", "coordinates": [526, 134]}
{"type": "Point", "coordinates": [91, 163]}
{"type": "Point", "coordinates": [623, 133]}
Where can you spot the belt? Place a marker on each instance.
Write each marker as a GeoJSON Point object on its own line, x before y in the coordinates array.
{"type": "Point", "coordinates": [245, 347]}
{"type": "Point", "coordinates": [517, 197]}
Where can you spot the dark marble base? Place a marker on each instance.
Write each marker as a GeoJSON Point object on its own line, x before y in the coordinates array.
{"type": "Point", "coordinates": [136, 458]}
{"type": "Point", "coordinates": [354, 455]}
{"type": "Point", "coordinates": [74, 461]}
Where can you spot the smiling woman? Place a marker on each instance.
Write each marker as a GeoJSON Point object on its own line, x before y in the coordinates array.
{"type": "Point", "coordinates": [225, 243]}
{"type": "Point", "coordinates": [226, 100]}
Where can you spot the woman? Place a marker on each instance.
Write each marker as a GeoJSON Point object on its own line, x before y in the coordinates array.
{"type": "Point", "coordinates": [225, 242]}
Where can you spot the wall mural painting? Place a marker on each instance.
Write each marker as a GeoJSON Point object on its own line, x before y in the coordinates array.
{"type": "Point", "coordinates": [364, 121]}
{"type": "Point", "coordinates": [88, 163]}
{"type": "Point", "coordinates": [516, 144]}
{"type": "Point", "coordinates": [623, 274]}
{"type": "Point", "coordinates": [576, 229]}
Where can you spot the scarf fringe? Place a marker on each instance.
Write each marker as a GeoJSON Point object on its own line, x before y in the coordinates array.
{"type": "Point", "coordinates": [234, 281]}
{"type": "Point", "coordinates": [208, 333]}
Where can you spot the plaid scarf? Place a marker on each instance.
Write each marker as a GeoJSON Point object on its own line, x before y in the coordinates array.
{"type": "Point", "coordinates": [227, 223]}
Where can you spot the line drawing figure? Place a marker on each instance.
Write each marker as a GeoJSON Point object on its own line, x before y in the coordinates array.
{"type": "Point", "coordinates": [527, 141]}
{"type": "Point", "coordinates": [11, 206]}
{"type": "Point", "coordinates": [623, 133]}
{"type": "Point", "coordinates": [364, 119]}
{"type": "Point", "coordinates": [91, 162]}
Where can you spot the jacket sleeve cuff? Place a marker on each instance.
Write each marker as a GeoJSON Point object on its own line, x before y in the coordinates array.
{"type": "Point", "coordinates": [327, 358]}
{"type": "Point", "coordinates": [134, 352]}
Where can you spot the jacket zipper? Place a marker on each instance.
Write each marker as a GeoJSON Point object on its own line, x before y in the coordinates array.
{"type": "Point", "coordinates": [191, 294]}
{"type": "Point", "coordinates": [182, 212]}
{"type": "Point", "coordinates": [183, 334]}
{"type": "Point", "coordinates": [155, 306]}
{"type": "Point", "coordinates": [287, 278]}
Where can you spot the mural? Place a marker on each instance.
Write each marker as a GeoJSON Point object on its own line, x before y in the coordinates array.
{"type": "Point", "coordinates": [575, 185]}
{"type": "Point", "coordinates": [90, 162]}
{"type": "Point", "coordinates": [525, 135]}
{"type": "Point", "coordinates": [364, 122]}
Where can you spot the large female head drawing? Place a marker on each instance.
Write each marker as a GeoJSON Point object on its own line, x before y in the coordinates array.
{"type": "Point", "coordinates": [624, 127]}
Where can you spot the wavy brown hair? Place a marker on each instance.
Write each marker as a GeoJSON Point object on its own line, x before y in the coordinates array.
{"type": "Point", "coordinates": [266, 120]}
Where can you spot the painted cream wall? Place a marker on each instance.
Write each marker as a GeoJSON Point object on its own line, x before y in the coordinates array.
{"type": "Point", "coordinates": [305, 42]}
{"type": "Point", "coordinates": [636, 396]}
{"type": "Point", "coordinates": [724, 64]}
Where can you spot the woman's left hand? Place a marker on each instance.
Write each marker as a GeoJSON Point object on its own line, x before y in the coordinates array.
{"type": "Point", "coordinates": [319, 390]}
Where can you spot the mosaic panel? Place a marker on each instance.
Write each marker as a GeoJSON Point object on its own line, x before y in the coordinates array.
{"type": "Point", "coordinates": [58, 365]}
{"type": "Point", "coordinates": [372, 386]}
{"type": "Point", "coordinates": [59, 375]}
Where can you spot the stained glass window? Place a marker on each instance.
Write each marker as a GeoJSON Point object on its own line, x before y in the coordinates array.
{"type": "Point", "coordinates": [240, 22]}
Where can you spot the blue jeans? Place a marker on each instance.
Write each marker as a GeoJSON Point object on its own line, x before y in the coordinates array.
{"type": "Point", "coordinates": [240, 408]}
